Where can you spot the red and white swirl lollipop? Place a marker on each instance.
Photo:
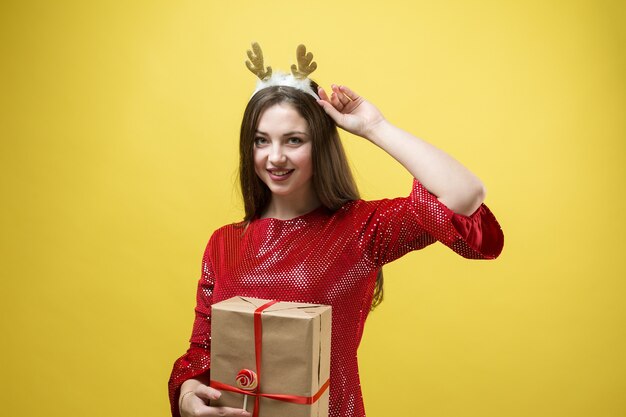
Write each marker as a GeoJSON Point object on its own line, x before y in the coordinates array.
{"type": "Point", "coordinates": [247, 381]}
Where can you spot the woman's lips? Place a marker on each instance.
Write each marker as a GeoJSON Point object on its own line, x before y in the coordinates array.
{"type": "Point", "coordinates": [280, 174]}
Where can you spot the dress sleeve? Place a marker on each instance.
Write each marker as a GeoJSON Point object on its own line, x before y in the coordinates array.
{"type": "Point", "coordinates": [394, 227]}
{"type": "Point", "coordinates": [197, 359]}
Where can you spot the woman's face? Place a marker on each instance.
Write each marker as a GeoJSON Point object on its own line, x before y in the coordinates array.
{"type": "Point", "coordinates": [282, 152]}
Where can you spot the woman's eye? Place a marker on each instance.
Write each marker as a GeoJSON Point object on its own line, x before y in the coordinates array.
{"type": "Point", "coordinates": [260, 141]}
{"type": "Point", "coordinates": [295, 140]}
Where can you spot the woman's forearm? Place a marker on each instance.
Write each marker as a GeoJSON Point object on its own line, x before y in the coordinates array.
{"type": "Point", "coordinates": [453, 184]}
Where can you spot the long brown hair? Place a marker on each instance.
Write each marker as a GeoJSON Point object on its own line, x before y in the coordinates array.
{"type": "Point", "coordinates": [332, 178]}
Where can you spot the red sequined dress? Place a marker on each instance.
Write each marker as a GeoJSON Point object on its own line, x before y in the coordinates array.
{"type": "Point", "coordinates": [328, 258]}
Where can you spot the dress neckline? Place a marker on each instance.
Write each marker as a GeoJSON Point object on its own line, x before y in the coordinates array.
{"type": "Point", "coordinates": [320, 209]}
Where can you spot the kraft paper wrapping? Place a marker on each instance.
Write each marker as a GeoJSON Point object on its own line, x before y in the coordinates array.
{"type": "Point", "coordinates": [295, 353]}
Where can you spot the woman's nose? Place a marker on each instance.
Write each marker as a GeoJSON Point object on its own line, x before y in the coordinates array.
{"type": "Point", "coordinates": [277, 156]}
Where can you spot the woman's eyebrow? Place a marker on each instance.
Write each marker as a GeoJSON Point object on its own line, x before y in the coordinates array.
{"type": "Point", "coordinates": [286, 134]}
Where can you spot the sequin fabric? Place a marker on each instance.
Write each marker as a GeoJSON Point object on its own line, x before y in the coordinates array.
{"type": "Point", "coordinates": [329, 258]}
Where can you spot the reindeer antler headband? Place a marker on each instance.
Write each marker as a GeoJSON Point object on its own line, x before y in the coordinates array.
{"type": "Point", "coordinates": [297, 79]}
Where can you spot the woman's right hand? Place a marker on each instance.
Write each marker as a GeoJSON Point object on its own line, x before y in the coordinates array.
{"type": "Point", "coordinates": [350, 111]}
{"type": "Point", "coordinates": [194, 402]}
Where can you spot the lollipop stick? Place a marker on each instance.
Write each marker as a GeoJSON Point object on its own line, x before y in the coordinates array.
{"type": "Point", "coordinates": [245, 401]}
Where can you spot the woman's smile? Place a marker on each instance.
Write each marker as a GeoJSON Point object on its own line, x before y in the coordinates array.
{"type": "Point", "coordinates": [279, 175]}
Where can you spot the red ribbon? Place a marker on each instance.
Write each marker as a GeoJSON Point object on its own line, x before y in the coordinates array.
{"type": "Point", "coordinates": [258, 335]}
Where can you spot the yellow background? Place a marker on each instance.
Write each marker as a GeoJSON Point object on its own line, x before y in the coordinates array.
{"type": "Point", "coordinates": [119, 126]}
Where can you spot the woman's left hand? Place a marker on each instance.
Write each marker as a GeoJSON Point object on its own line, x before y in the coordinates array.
{"type": "Point", "coordinates": [350, 111]}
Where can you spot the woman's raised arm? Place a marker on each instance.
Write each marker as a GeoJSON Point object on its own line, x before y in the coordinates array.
{"type": "Point", "coordinates": [453, 184]}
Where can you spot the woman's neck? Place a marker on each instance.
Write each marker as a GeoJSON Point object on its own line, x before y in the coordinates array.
{"type": "Point", "coordinates": [289, 207]}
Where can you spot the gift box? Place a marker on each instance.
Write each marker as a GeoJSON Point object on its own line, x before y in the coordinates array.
{"type": "Point", "coordinates": [286, 344]}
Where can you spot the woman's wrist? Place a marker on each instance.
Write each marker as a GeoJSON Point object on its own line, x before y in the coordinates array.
{"type": "Point", "coordinates": [187, 387]}
{"type": "Point", "coordinates": [182, 398]}
{"type": "Point", "coordinates": [379, 131]}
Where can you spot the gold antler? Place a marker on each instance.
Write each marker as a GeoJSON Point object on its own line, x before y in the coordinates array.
{"type": "Point", "coordinates": [305, 64]}
{"type": "Point", "coordinates": [256, 63]}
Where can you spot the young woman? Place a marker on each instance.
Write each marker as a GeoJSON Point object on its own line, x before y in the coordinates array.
{"type": "Point", "coordinates": [308, 237]}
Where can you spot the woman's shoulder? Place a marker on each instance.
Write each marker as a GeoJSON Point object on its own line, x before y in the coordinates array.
{"type": "Point", "coordinates": [226, 231]}
{"type": "Point", "coordinates": [354, 211]}
{"type": "Point", "coordinates": [359, 206]}
{"type": "Point", "coordinates": [236, 227]}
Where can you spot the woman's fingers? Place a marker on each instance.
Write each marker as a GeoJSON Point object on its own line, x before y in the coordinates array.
{"type": "Point", "coordinates": [340, 95]}
{"type": "Point", "coordinates": [351, 94]}
{"type": "Point", "coordinates": [227, 411]}
{"type": "Point", "coordinates": [207, 392]}
{"type": "Point", "coordinates": [204, 411]}
{"type": "Point", "coordinates": [341, 106]}
{"type": "Point", "coordinates": [335, 101]}
{"type": "Point", "coordinates": [322, 94]}
{"type": "Point", "coordinates": [330, 109]}
{"type": "Point", "coordinates": [197, 407]}
{"type": "Point", "coordinates": [334, 97]}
